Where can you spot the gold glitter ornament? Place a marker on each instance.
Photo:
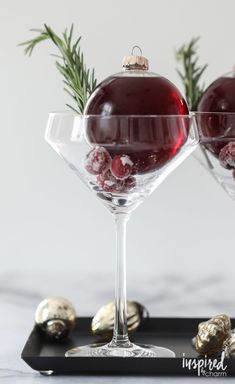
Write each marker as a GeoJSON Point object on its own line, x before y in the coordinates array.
{"type": "Point", "coordinates": [212, 335]}
{"type": "Point", "coordinates": [103, 322]}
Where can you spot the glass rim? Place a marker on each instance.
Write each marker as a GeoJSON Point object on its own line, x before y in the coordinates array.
{"type": "Point", "coordinates": [222, 113]}
{"type": "Point", "coordinates": [75, 114]}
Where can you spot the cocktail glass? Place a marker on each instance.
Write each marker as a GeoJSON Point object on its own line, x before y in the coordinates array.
{"type": "Point", "coordinates": [122, 159]}
{"type": "Point", "coordinates": [216, 152]}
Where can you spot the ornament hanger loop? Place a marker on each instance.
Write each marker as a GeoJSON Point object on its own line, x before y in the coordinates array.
{"type": "Point", "coordinates": [136, 47]}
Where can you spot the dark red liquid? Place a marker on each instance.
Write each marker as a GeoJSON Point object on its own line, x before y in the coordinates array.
{"type": "Point", "coordinates": [136, 96]}
{"type": "Point", "coordinates": [150, 142]}
{"type": "Point", "coordinates": [218, 97]}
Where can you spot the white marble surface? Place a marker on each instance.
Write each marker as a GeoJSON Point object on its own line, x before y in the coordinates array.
{"type": "Point", "coordinates": [171, 296]}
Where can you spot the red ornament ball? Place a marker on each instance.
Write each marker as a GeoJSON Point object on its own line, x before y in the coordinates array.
{"type": "Point", "coordinates": [218, 101]}
{"type": "Point", "coordinates": [126, 102]}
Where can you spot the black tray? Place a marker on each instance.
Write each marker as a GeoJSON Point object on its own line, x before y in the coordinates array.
{"type": "Point", "coordinates": [173, 333]}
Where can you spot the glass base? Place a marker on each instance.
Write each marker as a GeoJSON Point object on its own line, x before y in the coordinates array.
{"type": "Point", "coordinates": [109, 350]}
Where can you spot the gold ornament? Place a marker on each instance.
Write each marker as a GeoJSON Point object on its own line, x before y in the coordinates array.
{"type": "Point", "coordinates": [212, 335]}
{"type": "Point", "coordinates": [55, 317]}
{"type": "Point", "coordinates": [194, 341]}
{"type": "Point", "coordinates": [103, 322]}
{"type": "Point", "coordinates": [231, 347]}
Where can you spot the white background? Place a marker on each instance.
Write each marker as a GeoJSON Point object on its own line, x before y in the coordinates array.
{"type": "Point", "coordinates": [48, 220]}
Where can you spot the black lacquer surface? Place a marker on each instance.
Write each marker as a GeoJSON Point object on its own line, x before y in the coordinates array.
{"type": "Point", "coordinates": [173, 333]}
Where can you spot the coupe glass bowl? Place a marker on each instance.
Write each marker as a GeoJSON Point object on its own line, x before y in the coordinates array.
{"type": "Point", "coordinates": [216, 152]}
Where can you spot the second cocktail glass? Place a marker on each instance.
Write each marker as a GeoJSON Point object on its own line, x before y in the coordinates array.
{"type": "Point", "coordinates": [216, 131]}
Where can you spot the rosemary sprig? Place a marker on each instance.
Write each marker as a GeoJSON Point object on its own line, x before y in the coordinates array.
{"type": "Point", "coordinates": [191, 73]}
{"type": "Point", "coordinates": [79, 81]}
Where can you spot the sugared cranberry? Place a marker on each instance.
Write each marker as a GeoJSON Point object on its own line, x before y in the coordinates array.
{"type": "Point", "coordinates": [108, 183]}
{"type": "Point", "coordinates": [129, 184]}
{"type": "Point", "coordinates": [121, 166]}
{"type": "Point", "coordinates": [227, 156]}
{"type": "Point", "coordinates": [97, 161]}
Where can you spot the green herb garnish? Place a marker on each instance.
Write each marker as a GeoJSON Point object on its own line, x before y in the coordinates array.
{"type": "Point", "coordinates": [191, 73]}
{"type": "Point", "coordinates": [79, 81]}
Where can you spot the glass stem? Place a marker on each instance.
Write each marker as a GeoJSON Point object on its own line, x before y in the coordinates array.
{"type": "Point", "coordinates": [120, 333]}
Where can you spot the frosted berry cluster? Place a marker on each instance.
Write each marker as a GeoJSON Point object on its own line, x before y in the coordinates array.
{"type": "Point", "coordinates": [112, 174]}
{"type": "Point", "coordinates": [227, 157]}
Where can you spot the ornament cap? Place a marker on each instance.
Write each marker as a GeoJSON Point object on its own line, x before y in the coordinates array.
{"type": "Point", "coordinates": [56, 329]}
{"type": "Point", "coordinates": [135, 62]}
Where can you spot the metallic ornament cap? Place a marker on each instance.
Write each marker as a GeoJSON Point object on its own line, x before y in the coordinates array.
{"type": "Point", "coordinates": [56, 329]}
{"type": "Point", "coordinates": [134, 62]}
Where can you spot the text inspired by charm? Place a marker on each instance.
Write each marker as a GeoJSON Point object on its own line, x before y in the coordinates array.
{"type": "Point", "coordinates": [208, 367]}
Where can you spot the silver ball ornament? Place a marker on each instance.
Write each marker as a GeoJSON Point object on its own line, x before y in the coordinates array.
{"type": "Point", "coordinates": [55, 317]}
